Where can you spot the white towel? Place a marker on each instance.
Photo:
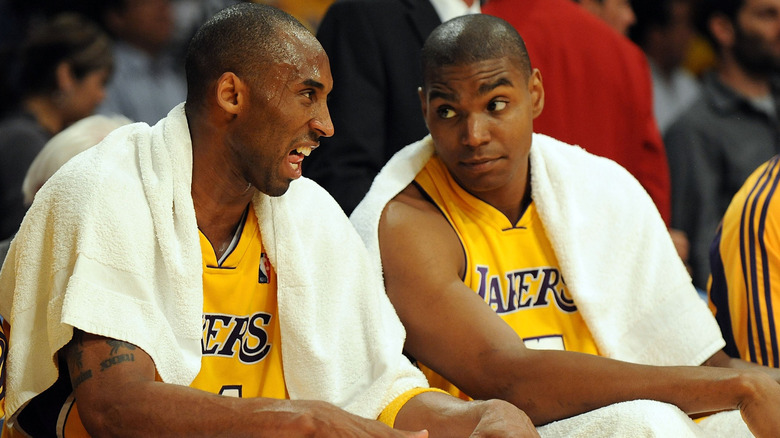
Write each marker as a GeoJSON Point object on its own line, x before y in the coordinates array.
{"type": "Point", "coordinates": [614, 250]}
{"type": "Point", "coordinates": [111, 246]}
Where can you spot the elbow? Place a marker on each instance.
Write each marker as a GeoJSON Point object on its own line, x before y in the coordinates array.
{"type": "Point", "coordinates": [100, 420]}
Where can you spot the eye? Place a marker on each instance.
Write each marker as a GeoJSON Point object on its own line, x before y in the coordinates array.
{"type": "Point", "coordinates": [309, 94]}
{"type": "Point", "coordinates": [497, 105]}
{"type": "Point", "coordinates": [445, 112]}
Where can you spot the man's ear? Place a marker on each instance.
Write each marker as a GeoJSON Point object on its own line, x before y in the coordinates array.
{"type": "Point", "coordinates": [536, 90]}
{"type": "Point", "coordinates": [423, 104]}
{"type": "Point", "coordinates": [722, 29]}
{"type": "Point", "coordinates": [231, 93]}
{"type": "Point", "coordinates": [65, 79]}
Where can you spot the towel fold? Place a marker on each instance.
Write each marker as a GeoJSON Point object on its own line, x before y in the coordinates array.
{"type": "Point", "coordinates": [111, 246]}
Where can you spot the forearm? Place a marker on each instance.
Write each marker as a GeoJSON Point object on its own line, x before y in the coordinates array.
{"type": "Point", "coordinates": [154, 408]}
{"type": "Point", "coordinates": [562, 384]}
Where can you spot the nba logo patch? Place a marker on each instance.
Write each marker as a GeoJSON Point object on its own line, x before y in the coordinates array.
{"type": "Point", "coordinates": [265, 268]}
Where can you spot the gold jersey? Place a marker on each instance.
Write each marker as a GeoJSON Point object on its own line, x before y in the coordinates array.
{"type": "Point", "coordinates": [241, 345]}
{"type": "Point", "coordinates": [511, 266]}
{"type": "Point", "coordinates": [745, 258]}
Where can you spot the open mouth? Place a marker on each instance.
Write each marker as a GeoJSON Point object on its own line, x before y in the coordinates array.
{"type": "Point", "coordinates": [297, 155]}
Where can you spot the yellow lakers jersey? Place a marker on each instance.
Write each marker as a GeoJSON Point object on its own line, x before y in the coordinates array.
{"type": "Point", "coordinates": [241, 344]}
{"type": "Point", "coordinates": [511, 266]}
{"type": "Point", "coordinates": [745, 259]}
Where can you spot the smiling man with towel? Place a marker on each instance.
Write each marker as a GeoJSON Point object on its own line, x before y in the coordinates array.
{"type": "Point", "coordinates": [501, 246]}
{"type": "Point", "coordinates": [172, 269]}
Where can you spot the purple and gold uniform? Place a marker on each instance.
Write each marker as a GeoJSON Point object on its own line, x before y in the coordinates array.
{"type": "Point", "coordinates": [745, 261]}
{"type": "Point", "coordinates": [511, 266]}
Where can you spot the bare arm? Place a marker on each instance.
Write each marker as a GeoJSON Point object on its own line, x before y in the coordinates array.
{"type": "Point", "coordinates": [114, 383]}
{"type": "Point", "coordinates": [450, 329]}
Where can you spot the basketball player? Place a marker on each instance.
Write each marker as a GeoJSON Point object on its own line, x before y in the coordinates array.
{"type": "Point", "coordinates": [476, 266]}
{"type": "Point", "coordinates": [185, 284]}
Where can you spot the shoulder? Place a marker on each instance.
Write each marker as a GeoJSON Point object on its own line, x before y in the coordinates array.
{"type": "Point", "coordinates": [411, 215]}
{"type": "Point", "coordinates": [19, 130]}
{"type": "Point", "coordinates": [557, 162]}
{"type": "Point", "coordinates": [413, 233]}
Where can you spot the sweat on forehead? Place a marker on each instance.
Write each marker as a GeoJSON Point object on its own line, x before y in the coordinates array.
{"type": "Point", "coordinates": [472, 38]}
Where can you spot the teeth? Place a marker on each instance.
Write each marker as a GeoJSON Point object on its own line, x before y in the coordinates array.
{"type": "Point", "coordinates": [294, 166]}
{"type": "Point", "coordinates": [305, 150]}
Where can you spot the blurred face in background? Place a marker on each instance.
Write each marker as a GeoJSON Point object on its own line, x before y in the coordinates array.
{"type": "Point", "coordinates": [757, 36]}
{"type": "Point", "coordinates": [148, 24]}
{"type": "Point", "coordinates": [616, 13]}
{"type": "Point", "coordinates": [78, 98]}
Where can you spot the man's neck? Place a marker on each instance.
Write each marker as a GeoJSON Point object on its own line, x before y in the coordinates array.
{"type": "Point", "coordinates": [45, 113]}
{"type": "Point", "coordinates": [745, 83]}
{"type": "Point", "coordinates": [219, 197]}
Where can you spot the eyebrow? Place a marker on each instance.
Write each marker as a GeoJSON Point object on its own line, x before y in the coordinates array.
{"type": "Point", "coordinates": [315, 84]}
{"type": "Point", "coordinates": [437, 94]}
{"type": "Point", "coordinates": [482, 90]}
{"type": "Point", "coordinates": [486, 88]}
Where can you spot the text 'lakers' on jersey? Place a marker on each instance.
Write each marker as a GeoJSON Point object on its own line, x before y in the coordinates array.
{"type": "Point", "coordinates": [745, 261]}
{"type": "Point", "coordinates": [511, 266]}
{"type": "Point", "coordinates": [241, 344]}
{"type": "Point", "coordinates": [242, 353]}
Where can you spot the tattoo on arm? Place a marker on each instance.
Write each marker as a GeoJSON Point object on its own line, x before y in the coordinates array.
{"type": "Point", "coordinates": [74, 353]}
{"type": "Point", "coordinates": [115, 358]}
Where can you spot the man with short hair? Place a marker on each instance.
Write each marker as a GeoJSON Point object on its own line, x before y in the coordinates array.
{"type": "Point", "coordinates": [500, 246]}
{"type": "Point", "coordinates": [732, 128]}
{"type": "Point", "coordinates": [173, 266]}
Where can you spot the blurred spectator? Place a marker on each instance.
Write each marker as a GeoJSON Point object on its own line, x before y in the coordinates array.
{"type": "Point", "coordinates": [745, 258]}
{"type": "Point", "coordinates": [374, 49]}
{"type": "Point", "coordinates": [618, 14]}
{"type": "Point", "coordinates": [733, 127]}
{"type": "Point", "coordinates": [188, 16]}
{"type": "Point", "coordinates": [61, 76]}
{"type": "Point", "coordinates": [149, 78]}
{"type": "Point", "coordinates": [598, 91]}
{"type": "Point", "coordinates": [71, 141]}
{"type": "Point", "coordinates": [68, 143]}
{"type": "Point", "coordinates": [664, 30]}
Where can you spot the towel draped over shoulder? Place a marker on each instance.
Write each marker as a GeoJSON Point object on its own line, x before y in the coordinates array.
{"type": "Point", "coordinates": [111, 246]}
{"type": "Point", "coordinates": [614, 250]}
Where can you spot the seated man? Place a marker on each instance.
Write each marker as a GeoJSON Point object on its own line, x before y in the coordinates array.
{"type": "Point", "coordinates": [746, 270]}
{"type": "Point", "coordinates": [172, 266]}
{"type": "Point", "coordinates": [496, 242]}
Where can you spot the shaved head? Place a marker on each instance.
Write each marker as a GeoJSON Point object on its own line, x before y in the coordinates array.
{"type": "Point", "coordinates": [244, 39]}
{"type": "Point", "coordinates": [472, 38]}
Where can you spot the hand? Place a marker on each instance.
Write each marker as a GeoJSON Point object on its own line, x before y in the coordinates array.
{"type": "Point", "coordinates": [503, 419]}
{"type": "Point", "coordinates": [760, 410]}
{"type": "Point", "coordinates": [324, 420]}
